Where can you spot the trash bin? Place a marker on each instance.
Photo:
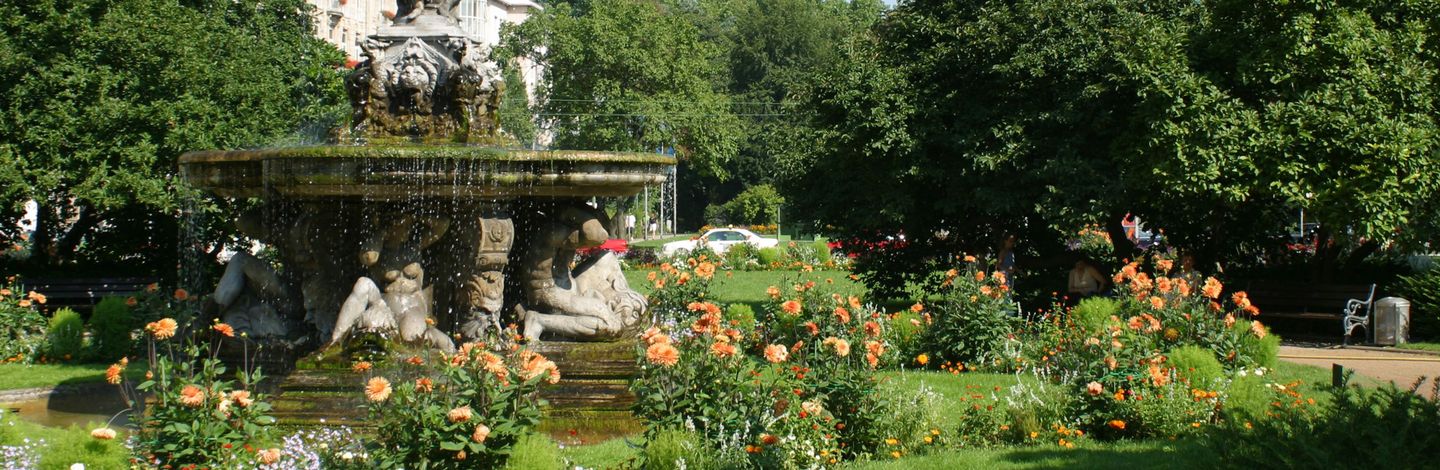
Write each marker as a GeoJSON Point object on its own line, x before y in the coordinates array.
{"type": "Point", "coordinates": [1392, 321]}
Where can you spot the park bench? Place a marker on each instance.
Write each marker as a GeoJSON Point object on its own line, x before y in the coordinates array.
{"type": "Point", "coordinates": [1348, 304]}
{"type": "Point", "coordinates": [83, 293]}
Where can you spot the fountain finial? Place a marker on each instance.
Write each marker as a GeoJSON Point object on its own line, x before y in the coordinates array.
{"type": "Point", "coordinates": [424, 79]}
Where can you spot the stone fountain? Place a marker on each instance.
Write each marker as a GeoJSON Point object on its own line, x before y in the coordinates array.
{"type": "Point", "coordinates": [425, 229]}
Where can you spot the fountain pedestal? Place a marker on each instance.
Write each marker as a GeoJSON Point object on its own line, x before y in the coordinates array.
{"type": "Point", "coordinates": [592, 402]}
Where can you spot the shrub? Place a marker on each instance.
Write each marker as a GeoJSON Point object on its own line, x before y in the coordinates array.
{"type": "Point", "coordinates": [22, 327]}
{"type": "Point", "coordinates": [676, 285]}
{"type": "Point", "coordinates": [1130, 368]}
{"type": "Point", "coordinates": [535, 451]}
{"type": "Point", "coordinates": [743, 256]}
{"type": "Point", "coordinates": [470, 413]}
{"type": "Point", "coordinates": [758, 204]}
{"type": "Point", "coordinates": [742, 315]}
{"type": "Point", "coordinates": [1094, 312]}
{"type": "Point", "coordinates": [676, 449]}
{"type": "Point", "coordinates": [772, 398]}
{"type": "Point", "coordinates": [1247, 398]}
{"type": "Point", "coordinates": [1356, 429]}
{"type": "Point", "coordinates": [1197, 365]}
{"type": "Point", "coordinates": [974, 319]}
{"type": "Point", "coordinates": [1255, 350]}
{"type": "Point", "coordinates": [772, 257]}
{"type": "Point", "coordinates": [110, 326]}
{"type": "Point", "coordinates": [66, 335]}
{"type": "Point", "coordinates": [1423, 292]}
{"type": "Point", "coordinates": [914, 422]}
{"type": "Point", "coordinates": [1028, 413]}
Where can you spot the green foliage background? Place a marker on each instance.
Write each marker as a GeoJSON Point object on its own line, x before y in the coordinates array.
{"type": "Point", "coordinates": [101, 97]}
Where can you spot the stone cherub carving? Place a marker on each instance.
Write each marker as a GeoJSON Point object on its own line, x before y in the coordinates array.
{"type": "Point", "coordinates": [393, 254]}
{"type": "Point", "coordinates": [593, 303]}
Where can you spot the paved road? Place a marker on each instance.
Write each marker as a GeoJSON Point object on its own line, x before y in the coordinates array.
{"type": "Point", "coordinates": [1400, 368]}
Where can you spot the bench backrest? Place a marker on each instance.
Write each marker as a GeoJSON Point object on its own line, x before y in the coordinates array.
{"type": "Point", "coordinates": [1306, 297]}
{"type": "Point", "coordinates": [85, 291]}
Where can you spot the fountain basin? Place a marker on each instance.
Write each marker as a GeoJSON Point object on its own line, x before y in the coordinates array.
{"type": "Point", "coordinates": [404, 172]}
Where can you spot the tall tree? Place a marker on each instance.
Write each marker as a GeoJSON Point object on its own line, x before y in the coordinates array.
{"type": "Point", "coordinates": [101, 96]}
{"type": "Point", "coordinates": [626, 75]}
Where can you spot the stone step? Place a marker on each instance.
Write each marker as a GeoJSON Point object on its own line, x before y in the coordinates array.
{"type": "Point", "coordinates": [323, 380]}
{"type": "Point", "coordinates": [611, 360]}
{"type": "Point", "coordinates": [574, 427]}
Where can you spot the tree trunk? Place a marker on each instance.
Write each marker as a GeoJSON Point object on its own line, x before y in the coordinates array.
{"type": "Point", "coordinates": [42, 244]}
{"type": "Point", "coordinates": [1325, 255]}
{"type": "Point", "coordinates": [1123, 247]}
{"type": "Point", "coordinates": [1361, 252]}
{"type": "Point", "coordinates": [65, 247]}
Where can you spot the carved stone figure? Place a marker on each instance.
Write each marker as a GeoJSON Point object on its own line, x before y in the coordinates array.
{"type": "Point", "coordinates": [424, 78]}
{"type": "Point", "coordinates": [248, 294]}
{"type": "Point", "coordinates": [559, 304]}
{"type": "Point", "coordinates": [393, 254]}
{"type": "Point", "coordinates": [483, 290]}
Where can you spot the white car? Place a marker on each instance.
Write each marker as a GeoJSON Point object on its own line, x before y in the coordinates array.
{"type": "Point", "coordinates": [720, 240]}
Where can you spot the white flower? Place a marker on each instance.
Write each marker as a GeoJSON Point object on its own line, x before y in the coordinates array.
{"type": "Point", "coordinates": [1242, 373]}
{"type": "Point", "coordinates": [1259, 371]}
{"type": "Point", "coordinates": [77, 466]}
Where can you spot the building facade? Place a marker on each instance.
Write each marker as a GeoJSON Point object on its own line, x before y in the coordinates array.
{"type": "Point", "coordinates": [345, 23]}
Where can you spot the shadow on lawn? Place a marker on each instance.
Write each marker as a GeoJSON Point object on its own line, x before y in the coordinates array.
{"type": "Point", "coordinates": [1142, 454]}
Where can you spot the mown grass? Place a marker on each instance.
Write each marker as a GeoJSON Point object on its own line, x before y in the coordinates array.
{"type": "Point", "coordinates": [22, 376]}
{"type": "Point", "coordinates": [63, 447]}
{"type": "Point", "coordinates": [1419, 346]}
{"type": "Point", "coordinates": [748, 287]}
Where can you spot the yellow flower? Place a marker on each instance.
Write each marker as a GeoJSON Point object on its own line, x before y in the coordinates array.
{"type": "Point", "coordinates": [922, 359]}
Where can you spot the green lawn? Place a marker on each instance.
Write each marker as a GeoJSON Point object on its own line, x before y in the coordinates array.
{"type": "Point", "coordinates": [65, 447]}
{"type": "Point", "coordinates": [20, 376]}
{"type": "Point", "coordinates": [749, 286]}
{"type": "Point", "coordinates": [1420, 346]}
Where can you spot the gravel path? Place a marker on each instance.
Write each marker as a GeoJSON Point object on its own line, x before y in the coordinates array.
{"type": "Point", "coordinates": [1400, 368]}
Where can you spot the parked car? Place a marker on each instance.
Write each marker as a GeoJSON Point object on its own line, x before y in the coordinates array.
{"type": "Point", "coordinates": [617, 245]}
{"type": "Point", "coordinates": [720, 240]}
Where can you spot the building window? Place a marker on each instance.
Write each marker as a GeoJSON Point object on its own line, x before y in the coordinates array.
{"type": "Point", "coordinates": [471, 16]}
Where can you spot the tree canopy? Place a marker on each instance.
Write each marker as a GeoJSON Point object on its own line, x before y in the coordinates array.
{"type": "Point", "coordinates": [101, 97]}
{"type": "Point", "coordinates": [624, 75]}
{"type": "Point", "coordinates": [1213, 120]}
